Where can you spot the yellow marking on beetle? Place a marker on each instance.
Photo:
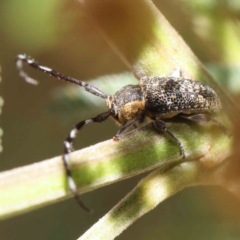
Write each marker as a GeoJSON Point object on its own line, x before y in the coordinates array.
{"type": "Point", "coordinates": [132, 110]}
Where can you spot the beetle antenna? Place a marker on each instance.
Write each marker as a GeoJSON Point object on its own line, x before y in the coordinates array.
{"type": "Point", "coordinates": [23, 58]}
{"type": "Point", "coordinates": [68, 149]}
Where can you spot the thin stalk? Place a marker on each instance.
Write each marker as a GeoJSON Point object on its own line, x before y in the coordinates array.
{"type": "Point", "coordinates": [30, 187]}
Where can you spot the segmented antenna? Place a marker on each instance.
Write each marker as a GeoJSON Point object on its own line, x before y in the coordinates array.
{"type": "Point", "coordinates": [23, 58]}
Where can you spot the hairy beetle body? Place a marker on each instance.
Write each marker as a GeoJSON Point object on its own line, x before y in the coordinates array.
{"type": "Point", "coordinates": [163, 97]}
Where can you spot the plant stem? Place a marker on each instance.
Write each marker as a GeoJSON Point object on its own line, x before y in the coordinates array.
{"type": "Point", "coordinates": [26, 188]}
{"type": "Point", "coordinates": [160, 184]}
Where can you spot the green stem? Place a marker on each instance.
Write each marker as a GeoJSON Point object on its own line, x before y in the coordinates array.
{"type": "Point", "coordinates": [26, 188]}
{"type": "Point", "coordinates": [160, 184]}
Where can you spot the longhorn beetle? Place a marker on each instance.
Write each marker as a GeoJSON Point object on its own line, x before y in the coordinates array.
{"type": "Point", "coordinates": [157, 98]}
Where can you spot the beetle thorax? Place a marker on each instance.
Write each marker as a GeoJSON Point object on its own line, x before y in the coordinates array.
{"type": "Point", "coordinates": [128, 103]}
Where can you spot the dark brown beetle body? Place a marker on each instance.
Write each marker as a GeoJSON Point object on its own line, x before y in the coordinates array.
{"type": "Point", "coordinates": [162, 97]}
{"type": "Point", "coordinates": [155, 97]}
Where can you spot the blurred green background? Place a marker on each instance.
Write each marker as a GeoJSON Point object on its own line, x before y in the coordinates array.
{"type": "Point", "coordinates": [59, 35]}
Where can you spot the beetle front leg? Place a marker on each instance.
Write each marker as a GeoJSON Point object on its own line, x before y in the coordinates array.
{"type": "Point", "coordinates": [140, 121]}
{"type": "Point", "coordinates": [128, 125]}
{"type": "Point", "coordinates": [161, 125]}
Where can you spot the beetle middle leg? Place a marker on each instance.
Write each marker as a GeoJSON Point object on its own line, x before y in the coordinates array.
{"type": "Point", "coordinates": [161, 125]}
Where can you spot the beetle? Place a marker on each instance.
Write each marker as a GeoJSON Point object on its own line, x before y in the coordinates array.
{"type": "Point", "coordinates": [157, 98]}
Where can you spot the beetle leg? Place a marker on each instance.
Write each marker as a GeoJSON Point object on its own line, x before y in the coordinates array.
{"type": "Point", "coordinates": [68, 149]}
{"type": "Point", "coordinates": [205, 118]}
{"type": "Point", "coordinates": [140, 121]}
{"type": "Point", "coordinates": [135, 125]}
{"type": "Point", "coordinates": [126, 126]}
{"type": "Point", "coordinates": [161, 125]}
{"type": "Point", "coordinates": [178, 73]}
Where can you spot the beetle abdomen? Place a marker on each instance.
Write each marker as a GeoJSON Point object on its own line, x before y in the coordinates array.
{"type": "Point", "coordinates": [164, 95]}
